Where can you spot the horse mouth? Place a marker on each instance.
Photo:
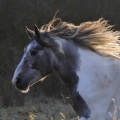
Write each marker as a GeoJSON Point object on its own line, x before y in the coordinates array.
{"type": "Point", "coordinates": [22, 88]}
{"type": "Point", "coordinates": [25, 91]}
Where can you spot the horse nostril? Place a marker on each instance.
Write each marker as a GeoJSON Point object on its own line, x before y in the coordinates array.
{"type": "Point", "coordinates": [18, 82]}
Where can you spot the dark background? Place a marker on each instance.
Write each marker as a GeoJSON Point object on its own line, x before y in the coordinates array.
{"type": "Point", "coordinates": [16, 14]}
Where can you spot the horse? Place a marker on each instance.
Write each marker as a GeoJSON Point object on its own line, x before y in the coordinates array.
{"type": "Point", "coordinates": [85, 56]}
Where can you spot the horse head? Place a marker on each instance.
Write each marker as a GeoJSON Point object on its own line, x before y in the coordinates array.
{"type": "Point", "coordinates": [37, 60]}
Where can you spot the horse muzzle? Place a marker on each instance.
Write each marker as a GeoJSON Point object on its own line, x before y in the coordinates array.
{"type": "Point", "coordinates": [19, 84]}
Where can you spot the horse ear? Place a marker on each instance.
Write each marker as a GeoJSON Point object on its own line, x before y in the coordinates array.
{"type": "Point", "coordinates": [41, 39]}
{"type": "Point", "coordinates": [29, 32]}
{"type": "Point", "coordinates": [37, 33]}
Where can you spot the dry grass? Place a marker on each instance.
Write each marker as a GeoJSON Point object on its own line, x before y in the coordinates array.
{"type": "Point", "coordinates": [40, 109]}
{"type": "Point", "coordinates": [44, 109]}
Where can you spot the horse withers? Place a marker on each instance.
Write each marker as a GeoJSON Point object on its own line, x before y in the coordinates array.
{"type": "Point", "coordinates": [86, 57]}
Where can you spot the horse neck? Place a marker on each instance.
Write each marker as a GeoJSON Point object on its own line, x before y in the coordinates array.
{"type": "Point", "coordinates": [95, 67]}
{"type": "Point", "coordinates": [91, 62]}
{"type": "Point", "coordinates": [67, 63]}
{"type": "Point", "coordinates": [77, 60]}
{"type": "Point", "coordinates": [89, 59]}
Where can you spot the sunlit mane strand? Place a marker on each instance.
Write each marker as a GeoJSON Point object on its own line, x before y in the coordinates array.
{"type": "Point", "coordinates": [97, 36]}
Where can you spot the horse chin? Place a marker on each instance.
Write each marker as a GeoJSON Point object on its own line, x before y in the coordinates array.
{"type": "Point", "coordinates": [25, 91]}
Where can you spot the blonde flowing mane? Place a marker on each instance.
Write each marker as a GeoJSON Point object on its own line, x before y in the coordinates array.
{"type": "Point", "coordinates": [97, 36]}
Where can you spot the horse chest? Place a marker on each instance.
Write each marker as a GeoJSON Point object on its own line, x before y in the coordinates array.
{"type": "Point", "coordinates": [80, 105]}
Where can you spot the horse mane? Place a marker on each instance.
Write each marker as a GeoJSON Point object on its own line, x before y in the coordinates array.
{"type": "Point", "coordinates": [97, 36]}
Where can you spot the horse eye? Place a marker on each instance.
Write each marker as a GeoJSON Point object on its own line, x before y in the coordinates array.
{"type": "Point", "coordinates": [33, 52]}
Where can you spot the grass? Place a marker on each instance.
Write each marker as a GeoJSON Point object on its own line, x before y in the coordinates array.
{"type": "Point", "coordinates": [44, 109]}
{"type": "Point", "coordinates": [40, 109]}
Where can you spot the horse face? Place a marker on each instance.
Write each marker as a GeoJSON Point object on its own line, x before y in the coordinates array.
{"type": "Point", "coordinates": [34, 65]}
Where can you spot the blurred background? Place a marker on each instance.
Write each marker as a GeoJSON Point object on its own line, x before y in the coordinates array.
{"type": "Point", "coordinates": [16, 14]}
